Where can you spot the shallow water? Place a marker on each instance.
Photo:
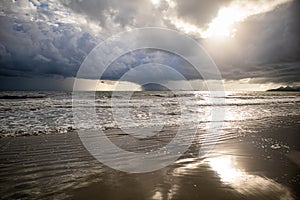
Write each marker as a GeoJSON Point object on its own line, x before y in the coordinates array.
{"type": "Point", "coordinates": [36, 113]}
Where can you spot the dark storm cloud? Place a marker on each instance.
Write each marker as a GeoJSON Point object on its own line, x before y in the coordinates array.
{"type": "Point", "coordinates": [138, 13]}
{"type": "Point", "coordinates": [33, 42]}
{"type": "Point", "coordinates": [137, 58]}
{"type": "Point", "coordinates": [52, 38]}
{"type": "Point", "coordinates": [273, 72]}
{"type": "Point", "coordinates": [36, 83]}
{"type": "Point", "coordinates": [38, 38]}
{"type": "Point", "coordinates": [266, 46]}
{"type": "Point", "coordinates": [199, 12]}
{"type": "Point", "coordinates": [141, 13]}
{"type": "Point", "coordinates": [272, 37]}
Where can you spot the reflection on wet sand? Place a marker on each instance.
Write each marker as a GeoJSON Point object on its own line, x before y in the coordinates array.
{"type": "Point", "coordinates": [231, 177]}
{"type": "Point", "coordinates": [229, 172]}
{"type": "Point", "coordinates": [226, 169]}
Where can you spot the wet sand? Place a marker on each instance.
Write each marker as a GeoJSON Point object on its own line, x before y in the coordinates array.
{"type": "Point", "coordinates": [256, 159]}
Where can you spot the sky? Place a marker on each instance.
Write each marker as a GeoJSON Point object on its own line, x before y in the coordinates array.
{"type": "Point", "coordinates": [255, 44]}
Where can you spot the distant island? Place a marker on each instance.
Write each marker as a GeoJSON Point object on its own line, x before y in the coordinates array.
{"type": "Point", "coordinates": [285, 89]}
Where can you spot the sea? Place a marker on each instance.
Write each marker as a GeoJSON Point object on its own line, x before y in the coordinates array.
{"type": "Point", "coordinates": [35, 113]}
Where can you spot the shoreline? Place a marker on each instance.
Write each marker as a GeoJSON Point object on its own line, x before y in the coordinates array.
{"type": "Point", "coordinates": [72, 130]}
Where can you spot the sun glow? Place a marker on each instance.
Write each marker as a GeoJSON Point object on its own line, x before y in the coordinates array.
{"type": "Point", "coordinates": [223, 25]}
{"type": "Point", "coordinates": [184, 26]}
{"type": "Point", "coordinates": [155, 2]}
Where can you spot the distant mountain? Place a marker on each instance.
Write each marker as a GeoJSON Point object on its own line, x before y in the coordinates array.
{"type": "Point", "coordinates": [285, 89]}
{"type": "Point", "coordinates": [154, 87]}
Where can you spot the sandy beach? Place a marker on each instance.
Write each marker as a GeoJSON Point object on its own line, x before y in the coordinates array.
{"type": "Point", "coordinates": [259, 161]}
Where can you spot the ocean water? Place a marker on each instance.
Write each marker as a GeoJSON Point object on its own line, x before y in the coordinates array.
{"type": "Point", "coordinates": [36, 113]}
{"type": "Point", "coordinates": [257, 156]}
